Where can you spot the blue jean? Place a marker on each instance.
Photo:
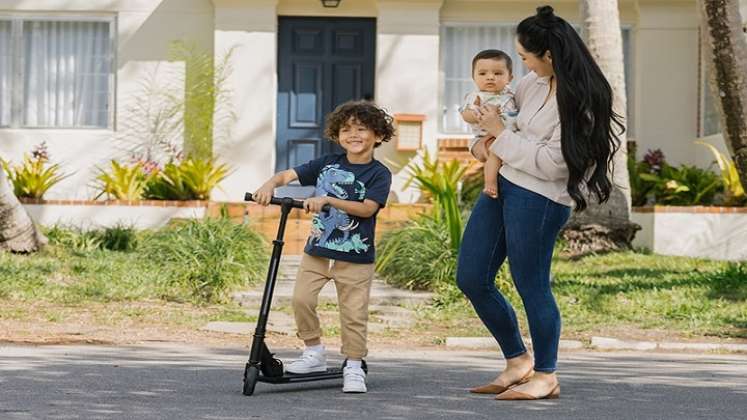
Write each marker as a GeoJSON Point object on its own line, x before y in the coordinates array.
{"type": "Point", "coordinates": [522, 226]}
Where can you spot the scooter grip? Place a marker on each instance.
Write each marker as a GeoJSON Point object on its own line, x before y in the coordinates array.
{"type": "Point", "coordinates": [279, 201]}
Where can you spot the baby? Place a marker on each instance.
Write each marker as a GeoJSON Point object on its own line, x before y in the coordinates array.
{"type": "Point", "coordinates": [492, 73]}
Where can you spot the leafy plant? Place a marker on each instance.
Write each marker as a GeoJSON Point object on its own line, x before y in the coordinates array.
{"type": "Point", "coordinates": [35, 176]}
{"type": "Point", "coordinates": [208, 256]}
{"type": "Point", "coordinates": [190, 179]}
{"type": "Point", "coordinates": [441, 181]}
{"type": "Point", "coordinates": [685, 185]}
{"type": "Point", "coordinates": [733, 190]}
{"type": "Point", "coordinates": [124, 182]}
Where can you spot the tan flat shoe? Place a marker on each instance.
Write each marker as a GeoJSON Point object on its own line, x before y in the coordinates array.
{"type": "Point", "coordinates": [497, 389]}
{"type": "Point", "coordinates": [511, 395]}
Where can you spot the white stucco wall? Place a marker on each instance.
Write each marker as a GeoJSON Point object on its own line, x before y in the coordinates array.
{"type": "Point", "coordinates": [667, 79]}
{"type": "Point", "coordinates": [249, 26]}
{"type": "Point", "coordinates": [144, 30]}
{"type": "Point", "coordinates": [408, 77]}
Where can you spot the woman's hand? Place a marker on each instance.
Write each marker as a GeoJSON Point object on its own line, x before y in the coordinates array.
{"type": "Point", "coordinates": [315, 204]}
{"type": "Point", "coordinates": [481, 149]}
{"type": "Point", "coordinates": [489, 119]}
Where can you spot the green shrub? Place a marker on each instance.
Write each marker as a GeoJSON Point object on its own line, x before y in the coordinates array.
{"type": "Point", "coordinates": [418, 257]}
{"type": "Point", "coordinates": [654, 181]}
{"type": "Point", "coordinates": [685, 185]}
{"type": "Point", "coordinates": [210, 257]}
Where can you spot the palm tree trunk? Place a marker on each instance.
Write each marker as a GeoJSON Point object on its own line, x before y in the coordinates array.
{"type": "Point", "coordinates": [727, 57]}
{"type": "Point", "coordinates": [17, 232]}
{"type": "Point", "coordinates": [601, 27]}
{"type": "Point", "coordinates": [607, 226]}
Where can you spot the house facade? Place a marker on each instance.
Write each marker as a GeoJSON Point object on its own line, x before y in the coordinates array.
{"type": "Point", "coordinates": [73, 71]}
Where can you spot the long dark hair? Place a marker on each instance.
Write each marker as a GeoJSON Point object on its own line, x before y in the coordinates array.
{"type": "Point", "coordinates": [584, 97]}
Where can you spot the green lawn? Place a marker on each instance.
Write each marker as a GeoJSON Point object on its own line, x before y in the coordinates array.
{"type": "Point", "coordinates": [623, 294]}
{"type": "Point", "coordinates": [632, 294]}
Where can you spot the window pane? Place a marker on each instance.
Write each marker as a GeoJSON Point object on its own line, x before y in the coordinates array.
{"type": "Point", "coordinates": [458, 45]}
{"type": "Point", "coordinates": [6, 71]}
{"type": "Point", "coordinates": [67, 68]}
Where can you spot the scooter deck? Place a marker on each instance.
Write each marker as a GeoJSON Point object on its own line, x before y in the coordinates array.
{"type": "Point", "coordinates": [330, 373]}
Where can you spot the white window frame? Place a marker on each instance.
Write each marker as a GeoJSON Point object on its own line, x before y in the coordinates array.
{"type": "Point", "coordinates": [629, 76]}
{"type": "Point", "coordinates": [442, 73]}
{"type": "Point", "coordinates": [17, 80]}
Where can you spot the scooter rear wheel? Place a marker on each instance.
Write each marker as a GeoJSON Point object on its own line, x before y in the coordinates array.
{"type": "Point", "coordinates": [251, 373]}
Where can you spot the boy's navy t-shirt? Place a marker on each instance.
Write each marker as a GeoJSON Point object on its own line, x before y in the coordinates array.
{"type": "Point", "coordinates": [335, 234]}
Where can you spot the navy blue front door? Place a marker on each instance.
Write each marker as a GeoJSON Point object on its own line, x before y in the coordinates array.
{"type": "Point", "coordinates": [322, 62]}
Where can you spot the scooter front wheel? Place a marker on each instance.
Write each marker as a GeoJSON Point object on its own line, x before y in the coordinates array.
{"type": "Point", "coordinates": [251, 373]}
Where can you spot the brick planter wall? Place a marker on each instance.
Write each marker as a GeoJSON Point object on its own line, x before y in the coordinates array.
{"type": "Point", "coordinates": [265, 220]}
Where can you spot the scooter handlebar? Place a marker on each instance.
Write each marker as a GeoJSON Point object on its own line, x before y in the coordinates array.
{"type": "Point", "coordinates": [298, 204]}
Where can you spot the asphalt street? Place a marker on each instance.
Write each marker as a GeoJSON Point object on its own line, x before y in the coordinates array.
{"type": "Point", "coordinates": [175, 381]}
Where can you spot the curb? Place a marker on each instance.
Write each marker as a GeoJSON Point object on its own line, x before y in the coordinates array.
{"type": "Point", "coordinates": [605, 343]}
{"type": "Point", "coordinates": [489, 343]}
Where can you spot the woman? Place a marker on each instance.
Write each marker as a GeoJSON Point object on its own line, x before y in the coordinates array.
{"type": "Point", "coordinates": [560, 155]}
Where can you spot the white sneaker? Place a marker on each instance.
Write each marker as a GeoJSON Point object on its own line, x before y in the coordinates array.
{"type": "Point", "coordinates": [310, 361]}
{"type": "Point", "coordinates": [354, 380]}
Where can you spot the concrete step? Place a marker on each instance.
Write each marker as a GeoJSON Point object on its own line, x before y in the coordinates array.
{"type": "Point", "coordinates": [381, 293]}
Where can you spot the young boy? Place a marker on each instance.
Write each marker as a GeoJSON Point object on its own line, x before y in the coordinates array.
{"type": "Point", "coordinates": [341, 244]}
{"type": "Point", "coordinates": [492, 73]}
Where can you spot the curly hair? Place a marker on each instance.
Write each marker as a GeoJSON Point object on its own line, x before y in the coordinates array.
{"type": "Point", "coordinates": [363, 112]}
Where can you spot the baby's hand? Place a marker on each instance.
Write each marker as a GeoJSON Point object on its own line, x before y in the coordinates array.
{"type": "Point", "coordinates": [477, 101]}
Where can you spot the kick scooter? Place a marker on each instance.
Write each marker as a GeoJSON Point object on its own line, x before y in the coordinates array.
{"type": "Point", "coordinates": [262, 366]}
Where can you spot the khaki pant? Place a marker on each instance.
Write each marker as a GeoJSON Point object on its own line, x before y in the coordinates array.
{"type": "Point", "coordinates": [353, 284]}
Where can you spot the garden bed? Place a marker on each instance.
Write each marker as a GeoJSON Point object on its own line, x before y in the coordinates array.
{"type": "Point", "coordinates": [693, 231]}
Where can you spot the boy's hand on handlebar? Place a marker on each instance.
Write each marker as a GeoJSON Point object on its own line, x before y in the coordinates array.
{"type": "Point", "coordinates": [263, 195]}
{"type": "Point", "coordinates": [315, 204]}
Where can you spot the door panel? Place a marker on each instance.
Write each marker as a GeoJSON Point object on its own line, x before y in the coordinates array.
{"type": "Point", "coordinates": [322, 62]}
